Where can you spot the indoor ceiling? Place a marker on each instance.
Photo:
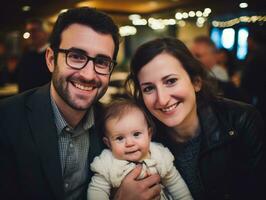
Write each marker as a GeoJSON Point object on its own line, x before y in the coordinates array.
{"type": "Point", "coordinates": [12, 17]}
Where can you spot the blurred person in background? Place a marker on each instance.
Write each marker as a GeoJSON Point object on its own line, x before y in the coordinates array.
{"type": "Point", "coordinates": [2, 60]}
{"type": "Point", "coordinates": [204, 49]}
{"type": "Point", "coordinates": [10, 72]}
{"type": "Point", "coordinates": [32, 68]}
{"type": "Point", "coordinates": [226, 60]}
{"type": "Point", "coordinates": [253, 80]}
{"type": "Point", "coordinates": [2, 52]}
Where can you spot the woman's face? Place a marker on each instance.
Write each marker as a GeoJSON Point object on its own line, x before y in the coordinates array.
{"type": "Point", "coordinates": [168, 92]}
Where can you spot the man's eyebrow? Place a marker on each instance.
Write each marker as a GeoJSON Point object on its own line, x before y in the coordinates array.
{"type": "Point", "coordinates": [78, 50]}
{"type": "Point", "coordinates": [103, 56]}
{"type": "Point", "coordinates": [81, 51]}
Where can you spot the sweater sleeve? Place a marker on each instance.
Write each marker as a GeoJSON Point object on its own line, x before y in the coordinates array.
{"type": "Point", "coordinates": [176, 185]}
{"type": "Point", "coordinates": [170, 177]}
{"type": "Point", "coordinates": [99, 188]}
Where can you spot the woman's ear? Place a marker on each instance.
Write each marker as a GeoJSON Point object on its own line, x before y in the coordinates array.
{"type": "Point", "coordinates": [49, 56]}
{"type": "Point", "coordinates": [197, 83]}
{"type": "Point", "coordinates": [106, 141]}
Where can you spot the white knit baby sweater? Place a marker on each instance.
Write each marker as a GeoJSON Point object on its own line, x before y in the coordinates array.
{"type": "Point", "coordinates": [109, 173]}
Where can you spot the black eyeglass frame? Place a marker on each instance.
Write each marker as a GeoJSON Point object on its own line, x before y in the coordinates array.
{"type": "Point", "coordinates": [67, 51]}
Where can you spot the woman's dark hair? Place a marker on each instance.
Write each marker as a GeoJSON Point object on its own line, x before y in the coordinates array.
{"type": "Point", "coordinates": [120, 107]}
{"type": "Point", "coordinates": [146, 52]}
{"type": "Point", "coordinates": [98, 21]}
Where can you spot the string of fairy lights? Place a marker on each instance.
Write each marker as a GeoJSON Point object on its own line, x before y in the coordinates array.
{"type": "Point", "coordinates": [181, 18]}
{"type": "Point", "coordinates": [243, 19]}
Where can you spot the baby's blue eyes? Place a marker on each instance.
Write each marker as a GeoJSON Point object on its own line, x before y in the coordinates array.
{"type": "Point", "coordinates": [136, 134]}
{"type": "Point", "coordinates": [120, 138]}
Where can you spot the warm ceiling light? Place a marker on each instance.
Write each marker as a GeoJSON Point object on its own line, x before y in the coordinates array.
{"type": "Point", "coordinates": [178, 16]}
{"type": "Point", "coordinates": [26, 35]}
{"type": "Point", "coordinates": [26, 8]}
{"type": "Point", "coordinates": [139, 22]}
{"type": "Point", "coordinates": [63, 10]}
{"type": "Point", "coordinates": [152, 3]}
{"type": "Point", "coordinates": [243, 5]}
{"type": "Point", "coordinates": [191, 14]}
{"type": "Point", "coordinates": [127, 30]}
{"type": "Point", "coordinates": [207, 10]}
{"type": "Point", "coordinates": [181, 23]}
{"type": "Point", "coordinates": [198, 13]}
{"type": "Point", "coordinates": [185, 15]}
{"type": "Point", "coordinates": [134, 16]}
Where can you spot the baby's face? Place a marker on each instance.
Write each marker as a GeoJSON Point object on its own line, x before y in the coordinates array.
{"type": "Point", "coordinates": [129, 136]}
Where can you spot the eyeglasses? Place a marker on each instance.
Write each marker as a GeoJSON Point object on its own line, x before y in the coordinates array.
{"type": "Point", "coordinates": [78, 60]}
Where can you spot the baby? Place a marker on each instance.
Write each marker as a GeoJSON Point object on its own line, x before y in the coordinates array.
{"type": "Point", "coordinates": [128, 132]}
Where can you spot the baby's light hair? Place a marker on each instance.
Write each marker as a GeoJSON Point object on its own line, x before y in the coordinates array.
{"type": "Point", "coordinates": [120, 107]}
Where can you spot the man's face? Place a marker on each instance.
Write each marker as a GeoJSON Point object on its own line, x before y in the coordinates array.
{"type": "Point", "coordinates": [38, 36]}
{"type": "Point", "coordinates": [204, 53]}
{"type": "Point", "coordinates": [74, 88]}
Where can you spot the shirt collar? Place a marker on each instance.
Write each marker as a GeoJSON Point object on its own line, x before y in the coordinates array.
{"type": "Point", "coordinates": [86, 123]}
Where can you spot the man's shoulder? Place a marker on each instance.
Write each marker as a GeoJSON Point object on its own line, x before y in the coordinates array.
{"type": "Point", "coordinates": [16, 102]}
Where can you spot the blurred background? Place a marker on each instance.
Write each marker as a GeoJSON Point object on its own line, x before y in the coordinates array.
{"type": "Point", "coordinates": [228, 23]}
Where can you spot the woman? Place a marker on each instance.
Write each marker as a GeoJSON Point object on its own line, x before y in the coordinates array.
{"type": "Point", "coordinates": [218, 144]}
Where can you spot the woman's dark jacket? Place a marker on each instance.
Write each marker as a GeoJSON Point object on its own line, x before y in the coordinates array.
{"type": "Point", "coordinates": [232, 153]}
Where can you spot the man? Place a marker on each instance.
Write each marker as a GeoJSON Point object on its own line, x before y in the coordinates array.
{"type": "Point", "coordinates": [33, 71]}
{"type": "Point", "coordinates": [204, 49]}
{"type": "Point", "coordinates": [49, 135]}
{"type": "Point", "coordinates": [3, 56]}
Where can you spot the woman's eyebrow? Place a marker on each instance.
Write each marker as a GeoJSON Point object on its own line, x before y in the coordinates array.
{"type": "Point", "coordinates": [167, 76]}
{"type": "Point", "coordinates": [145, 83]}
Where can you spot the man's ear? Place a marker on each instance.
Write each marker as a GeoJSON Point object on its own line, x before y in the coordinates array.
{"type": "Point", "coordinates": [49, 56]}
{"type": "Point", "coordinates": [197, 83]}
{"type": "Point", "coordinates": [106, 141]}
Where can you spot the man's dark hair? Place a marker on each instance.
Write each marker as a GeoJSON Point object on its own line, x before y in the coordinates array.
{"type": "Point", "coordinates": [98, 21]}
{"type": "Point", "coordinates": [204, 39]}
